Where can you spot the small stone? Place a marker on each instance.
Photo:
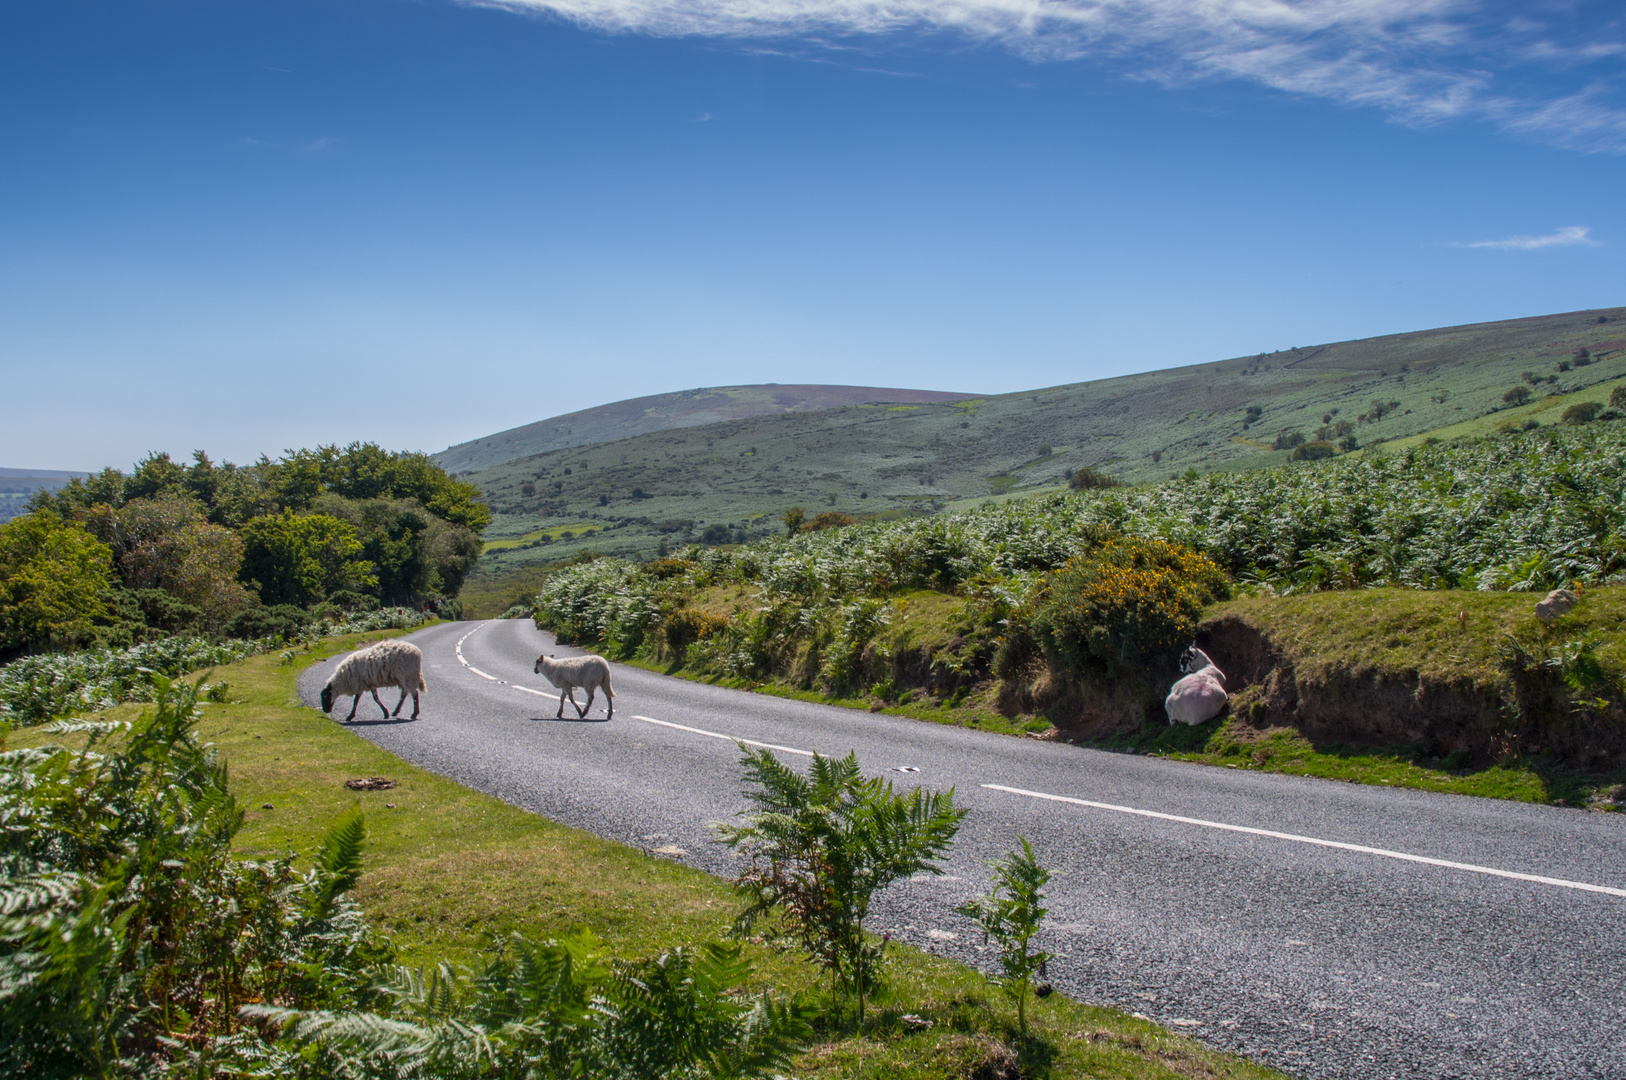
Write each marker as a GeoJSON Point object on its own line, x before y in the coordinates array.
{"type": "Point", "coordinates": [267, 806]}
{"type": "Point", "coordinates": [669, 850]}
{"type": "Point", "coordinates": [389, 806]}
{"type": "Point", "coordinates": [1556, 603]}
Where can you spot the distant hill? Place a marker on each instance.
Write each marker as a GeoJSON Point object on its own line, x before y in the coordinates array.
{"type": "Point", "coordinates": [662, 412]}
{"type": "Point", "coordinates": [628, 494]}
{"type": "Point", "coordinates": [17, 485]}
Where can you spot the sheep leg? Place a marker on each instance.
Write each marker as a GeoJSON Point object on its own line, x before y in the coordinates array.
{"type": "Point", "coordinates": [609, 701]}
{"type": "Point", "coordinates": [562, 694]}
{"type": "Point", "coordinates": [380, 704]}
{"type": "Point", "coordinates": [353, 703]}
{"type": "Point", "coordinates": [398, 704]}
{"type": "Point", "coordinates": [589, 705]}
{"type": "Point", "coordinates": [414, 704]}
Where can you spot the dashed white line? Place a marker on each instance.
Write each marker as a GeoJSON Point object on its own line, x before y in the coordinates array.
{"type": "Point", "coordinates": [1298, 839]}
{"type": "Point", "coordinates": [720, 735]}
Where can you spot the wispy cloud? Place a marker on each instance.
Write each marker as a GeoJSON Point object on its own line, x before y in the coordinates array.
{"type": "Point", "coordinates": [1569, 236]}
{"type": "Point", "coordinates": [1420, 61]}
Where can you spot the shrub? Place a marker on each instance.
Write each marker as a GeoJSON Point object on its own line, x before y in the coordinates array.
{"type": "Point", "coordinates": [1617, 398]}
{"type": "Point", "coordinates": [827, 519]}
{"type": "Point", "coordinates": [301, 559]}
{"type": "Point", "coordinates": [131, 934]}
{"type": "Point", "coordinates": [1012, 915]}
{"type": "Point", "coordinates": [1315, 450]}
{"type": "Point", "coordinates": [1518, 395]}
{"type": "Point", "coordinates": [1128, 604]}
{"type": "Point", "coordinates": [554, 1009]}
{"type": "Point", "coordinates": [823, 845]}
{"type": "Point", "coordinates": [685, 626]}
{"type": "Point", "coordinates": [1583, 412]}
{"type": "Point", "coordinates": [663, 567]}
{"type": "Point", "coordinates": [1287, 440]}
{"type": "Point", "coordinates": [52, 580]}
{"type": "Point", "coordinates": [1092, 479]}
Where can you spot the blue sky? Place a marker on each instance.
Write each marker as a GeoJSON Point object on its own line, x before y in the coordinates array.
{"type": "Point", "coordinates": [263, 224]}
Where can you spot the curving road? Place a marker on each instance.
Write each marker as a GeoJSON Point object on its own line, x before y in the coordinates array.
{"type": "Point", "coordinates": [1331, 930]}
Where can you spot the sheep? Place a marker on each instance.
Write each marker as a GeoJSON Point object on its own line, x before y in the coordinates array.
{"type": "Point", "coordinates": [1200, 694]}
{"type": "Point", "coordinates": [388, 663]}
{"type": "Point", "coordinates": [587, 671]}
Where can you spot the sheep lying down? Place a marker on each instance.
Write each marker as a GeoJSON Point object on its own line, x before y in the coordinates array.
{"type": "Point", "coordinates": [388, 663]}
{"type": "Point", "coordinates": [1200, 695]}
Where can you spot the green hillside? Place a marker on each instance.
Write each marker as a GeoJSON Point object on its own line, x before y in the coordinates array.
{"type": "Point", "coordinates": [662, 412]}
{"type": "Point", "coordinates": [895, 460]}
{"type": "Point", "coordinates": [17, 486]}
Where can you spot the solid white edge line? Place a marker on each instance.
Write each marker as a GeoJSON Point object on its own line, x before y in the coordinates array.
{"type": "Point", "coordinates": [1297, 839]}
{"type": "Point", "coordinates": [719, 735]}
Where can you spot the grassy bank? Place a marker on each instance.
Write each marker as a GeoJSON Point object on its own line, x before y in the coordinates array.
{"type": "Point", "coordinates": [447, 869]}
{"type": "Point", "coordinates": [1456, 691]}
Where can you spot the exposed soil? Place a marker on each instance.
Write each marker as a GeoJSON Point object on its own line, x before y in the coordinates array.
{"type": "Point", "coordinates": [1518, 710]}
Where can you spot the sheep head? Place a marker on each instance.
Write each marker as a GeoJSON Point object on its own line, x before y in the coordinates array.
{"type": "Point", "coordinates": [327, 698]}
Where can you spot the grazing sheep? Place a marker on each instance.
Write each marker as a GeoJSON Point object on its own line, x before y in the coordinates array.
{"type": "Point", "coordinates": [1200, 695]}
{"type": "Point", "coordinates": [591, 672]}
{"type": "Point", "coordinates": [388, 663]}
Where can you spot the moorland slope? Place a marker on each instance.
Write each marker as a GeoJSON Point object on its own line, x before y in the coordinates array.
{"type": "Point", "coordinates": [626, 495]}
{"type": "Point", "coordinates": [662, 412]}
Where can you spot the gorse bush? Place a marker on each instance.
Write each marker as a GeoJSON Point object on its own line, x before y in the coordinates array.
{"type": "Point", "coordinates": [1126, 604]}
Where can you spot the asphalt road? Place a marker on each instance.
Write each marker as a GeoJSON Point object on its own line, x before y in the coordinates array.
{"type": "Point", "coordinates": [1278, 919]}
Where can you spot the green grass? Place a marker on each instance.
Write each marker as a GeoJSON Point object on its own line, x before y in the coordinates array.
{"type": "Point", "coordinates": [549, 535]}
{"type": "Point", "coordinates": [1368, 637]}
{"type": "Point", "coordinates": [446, 868]}
{"type": "Point", "coordinates": [1411, 638]}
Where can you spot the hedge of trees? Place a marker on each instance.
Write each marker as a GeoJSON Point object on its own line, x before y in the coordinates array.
{"type": "Point", "coordinates": [221, 549]}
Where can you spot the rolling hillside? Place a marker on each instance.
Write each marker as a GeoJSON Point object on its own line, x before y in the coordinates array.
{"type": "Point", "coordinates": [662, 412]}
{"type": "Point", "coordinates": [625, 496]}
{"type": "Point", "coordinates": [18, 485]}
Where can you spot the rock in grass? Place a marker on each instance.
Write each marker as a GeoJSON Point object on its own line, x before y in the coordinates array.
{"type": "Point", "coordinates": [1556, 603]}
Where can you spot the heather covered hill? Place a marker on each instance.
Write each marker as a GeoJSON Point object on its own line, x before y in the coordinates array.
{"type": "Point", "coordinates": [661, 412]}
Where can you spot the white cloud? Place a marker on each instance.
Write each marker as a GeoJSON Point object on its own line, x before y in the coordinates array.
{"type": "Point", "coordinates": [1421, 61]}
{"type": "Point", "coordinates": [1569, 236]}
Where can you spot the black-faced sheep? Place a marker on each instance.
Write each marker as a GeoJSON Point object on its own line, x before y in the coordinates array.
{"type": "Point", "coordinates": [567, 674]}
{"type": "Point", "coordinates": [388, 663]}
{"type": "Point", "coordinates": [1200, 695]}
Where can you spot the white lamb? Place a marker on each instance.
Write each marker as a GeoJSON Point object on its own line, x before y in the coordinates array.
{"type": "Point", "coordinates": [1200, 695]}
{"type": "Point", "coordinates": [388, 663]}
{"type": "Point", "coordinates": [591, 672]}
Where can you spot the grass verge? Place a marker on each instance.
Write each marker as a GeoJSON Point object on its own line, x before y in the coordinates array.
{"type": "Point", "coordinates": [448, 868]}
{"type": "Point", "coordinates": [1427, 645]}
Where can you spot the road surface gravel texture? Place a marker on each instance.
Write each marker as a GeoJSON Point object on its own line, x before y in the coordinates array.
{"type": "Point", "coordinates": [1332, 958]}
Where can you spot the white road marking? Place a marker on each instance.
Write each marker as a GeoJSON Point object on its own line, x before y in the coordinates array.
{"type": "Point", "coordinates": [493, 678]}
{"type": "Point", "coordinates": [1297, 839]}
{"type": "Point", "coordinates": [720, 735]}
{"type": "Point", "coordinates": [468, 665]}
